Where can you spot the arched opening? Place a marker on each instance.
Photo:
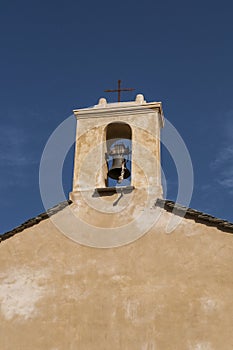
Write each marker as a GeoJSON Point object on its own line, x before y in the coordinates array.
{"type": "Point", "coordinates": [118, 156]}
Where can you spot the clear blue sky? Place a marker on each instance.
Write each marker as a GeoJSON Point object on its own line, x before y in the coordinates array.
{"type": "Point", "coordinates": [57, 56]}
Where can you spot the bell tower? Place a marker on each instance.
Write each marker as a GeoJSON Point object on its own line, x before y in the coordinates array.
{"type": "Point", "coordinates": [118, 146]}
{"type": "Point", "coordinates": [117, 166]}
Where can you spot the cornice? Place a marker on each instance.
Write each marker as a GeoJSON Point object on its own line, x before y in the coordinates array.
{"type": "Point", "coordinates": [119, 111]}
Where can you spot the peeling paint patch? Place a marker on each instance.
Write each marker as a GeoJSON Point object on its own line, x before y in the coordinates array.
{"type": "Point", "coordinates": [148, 346]}
{"type": "Point", "coordinates": [72, 292]}
{"type": "Point", "coordinates": [208, 304]}
{"type": "Point", "coordinates": [139, 312]}
{"type": "Point", "coordinates": [201, 346]}
{"type": "Point", "coordinates": [131, 309]}
{"type": "Point", "coordinates": [121, 278]}
{"type": "Point", "coordinates": [73, 270]}
{"type": "Point", "coordinates": [20, 289]}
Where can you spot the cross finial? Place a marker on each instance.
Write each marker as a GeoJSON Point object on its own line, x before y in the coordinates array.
{"type": "Point", "coordinates": [118, 90]}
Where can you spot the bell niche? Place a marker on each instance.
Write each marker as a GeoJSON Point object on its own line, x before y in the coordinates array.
{"type": "Point", "coordinates": [118, 155]}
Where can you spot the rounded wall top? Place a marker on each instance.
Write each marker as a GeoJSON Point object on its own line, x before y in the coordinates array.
{"type": "Point", "coordinates": [103, 102]}
{"type": "Point", "coordinates": [140, 98]}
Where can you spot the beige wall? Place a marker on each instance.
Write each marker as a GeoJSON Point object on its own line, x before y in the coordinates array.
{"type": "Point", "coordinates": [150, 291]}
{"type": "Point", "coordinates": [90, 170]}
{"type": "Point", "coordinates": [162, 291]}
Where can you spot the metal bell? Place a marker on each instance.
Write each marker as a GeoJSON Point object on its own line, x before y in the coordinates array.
{"type": "Point", "coordinates": [116, 169]}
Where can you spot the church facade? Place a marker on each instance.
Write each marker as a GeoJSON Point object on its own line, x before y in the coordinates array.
{"type": "Point", "coordinates": [102, 270]}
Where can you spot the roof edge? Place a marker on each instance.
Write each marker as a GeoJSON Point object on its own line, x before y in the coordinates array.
{"type": "Point", "coordinates": [167, 205]}
{"type": "Point", "coordinates": [195, 215]}
{"type": "Point", "coordinates": [36, 220]}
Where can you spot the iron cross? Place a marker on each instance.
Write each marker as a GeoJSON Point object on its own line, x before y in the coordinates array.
{"type": "Point", "coordinates": [119, 90]}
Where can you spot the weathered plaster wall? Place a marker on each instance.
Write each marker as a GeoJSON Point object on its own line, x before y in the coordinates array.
{"type": "Point", "coordinates": [90, 169]}
{"type": "Point", "coordinates": [163, 291]}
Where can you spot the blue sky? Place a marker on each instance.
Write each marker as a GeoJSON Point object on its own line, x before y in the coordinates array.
{"type": "Point", "coordinates": [58, 56]}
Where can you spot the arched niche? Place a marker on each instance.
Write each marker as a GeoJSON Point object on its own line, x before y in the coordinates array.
{"type": "Point", "coordinates": [118, 133]}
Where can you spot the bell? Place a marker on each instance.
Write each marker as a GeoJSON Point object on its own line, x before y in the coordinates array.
{"type": "Point", "coordinates": [118, 170]}
{"type": "Point", "coordinates": [118, 167]}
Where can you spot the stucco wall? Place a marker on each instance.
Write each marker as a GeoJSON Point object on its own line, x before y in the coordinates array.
{"type": "Point", "coordinates": [90, 168]}
{"type": "Point", "coordinates": [162, 291]}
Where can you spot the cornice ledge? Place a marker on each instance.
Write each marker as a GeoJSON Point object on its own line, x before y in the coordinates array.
{"type": "Point", "coordinates": [119, 111]}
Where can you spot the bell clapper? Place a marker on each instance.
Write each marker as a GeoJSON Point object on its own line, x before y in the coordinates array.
{"type": "Point", "coordinates": [121, 177]}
